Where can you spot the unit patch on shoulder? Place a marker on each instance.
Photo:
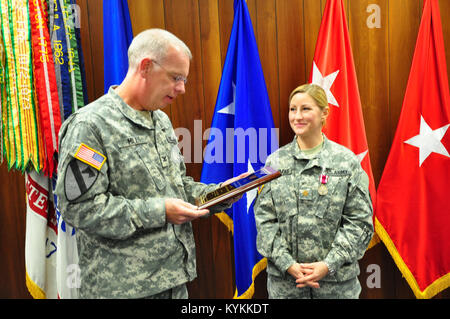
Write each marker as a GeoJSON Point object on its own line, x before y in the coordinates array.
{"type": "Point", "coordinates": [82, 171]}
{"type": "Point", "coordinates": [90, 156]}
{"type": "Point", "coordinates": [79, 178]}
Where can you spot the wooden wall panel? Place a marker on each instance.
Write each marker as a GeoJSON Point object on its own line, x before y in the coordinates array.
{"type": "Point", "coordinates": [286, 32]}
{"type": "Point", "coordinates": [146, 14]}
{"type": "Point", "coordinates": [226, 14]}
{"type": "Point", "coordinates": [266, 36]}
{"type": "Point", "coordinates": [210, 53]}
{"type": "Point", "coordinates": [403, 30]}
{"type": "Point", "coordinates": [312, 13]}
{"type": "Point", "coordinates": [87, 50]}
{"type": "Point", "coordinates": [370, 47]}
{"type": "Point", "coordinates": [92, 36]}
{"type": "Point", "coordinates": [445, 11]}
{"type": "Point", "coordinates": [291, 56]}
{"type": "Point", "coordinates": [187, 30]}
{"type": "Point", "coordinates": [12, 234]}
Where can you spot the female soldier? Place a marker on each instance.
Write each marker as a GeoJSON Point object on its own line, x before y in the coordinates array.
{"type": "Point", "coordinates": [315, 221]}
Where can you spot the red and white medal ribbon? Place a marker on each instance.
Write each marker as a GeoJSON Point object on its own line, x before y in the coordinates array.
{"type": "Point", "coordinates": [323, 179]}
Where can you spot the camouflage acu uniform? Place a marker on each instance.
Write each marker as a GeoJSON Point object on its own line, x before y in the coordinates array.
{"type": "Point", "coordinates": [297, 224]}
{"type": "Point", "coordinates": [126, 247]}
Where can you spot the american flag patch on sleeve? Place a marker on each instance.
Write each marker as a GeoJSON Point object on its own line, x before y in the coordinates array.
{"type": "Point", "coordinates": [90, 156]}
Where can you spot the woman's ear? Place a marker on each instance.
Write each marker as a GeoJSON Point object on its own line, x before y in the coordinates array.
{"type": "Point", "coordinates": [325, 112]}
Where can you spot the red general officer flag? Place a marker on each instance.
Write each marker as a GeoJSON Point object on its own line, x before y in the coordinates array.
{"type": "Point", "coordinates": [334, 70]}
{"type": "Point", "coordinates": [413, 207]}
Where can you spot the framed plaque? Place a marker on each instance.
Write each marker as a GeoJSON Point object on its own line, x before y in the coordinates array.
{"type": "Point", "coordinates": [242, 185]}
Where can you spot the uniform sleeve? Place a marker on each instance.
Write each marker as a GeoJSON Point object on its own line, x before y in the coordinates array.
{"type": "Point", "coordinates": [355, 232]}
{"type": "Point", "coordinates": [83, 197]}
{"type": "Point", "coordinates": [270, 241]}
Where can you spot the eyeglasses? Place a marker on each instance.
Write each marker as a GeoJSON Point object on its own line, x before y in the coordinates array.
{"type": "Point", "coordinates": [175, 78]}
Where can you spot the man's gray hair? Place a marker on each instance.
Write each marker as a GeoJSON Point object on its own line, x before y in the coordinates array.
{"type": "Point", "coordinates": [154, 43]}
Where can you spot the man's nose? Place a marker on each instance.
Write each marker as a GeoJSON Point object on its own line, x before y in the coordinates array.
{"type": "Point", "coordinates": [180, 87]}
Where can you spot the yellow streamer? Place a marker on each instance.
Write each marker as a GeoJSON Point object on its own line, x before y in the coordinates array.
{"type": "Point", "coordinates": [21, 131]}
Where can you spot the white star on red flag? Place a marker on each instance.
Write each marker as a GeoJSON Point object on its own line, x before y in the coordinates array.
{"type": "Point", "coordinates": [429, 141]}
{"type": "Point", "coordinates": [326, 82]}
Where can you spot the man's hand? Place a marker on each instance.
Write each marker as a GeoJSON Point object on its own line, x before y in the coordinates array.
{"type": "Point", "coordinates": [179, 212]}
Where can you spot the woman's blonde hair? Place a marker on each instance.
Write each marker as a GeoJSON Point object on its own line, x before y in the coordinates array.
{"type": "Point", "coordinates": [314, 91]}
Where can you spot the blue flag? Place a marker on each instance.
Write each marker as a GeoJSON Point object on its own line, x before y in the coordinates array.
{"type": "Point", "coordinates": [241, 137]}
{"type": "Point", "coordinates": [117, 36]}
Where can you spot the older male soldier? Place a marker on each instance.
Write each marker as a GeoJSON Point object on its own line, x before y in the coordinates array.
{"type": "Point", "coordinates": [122, 184]}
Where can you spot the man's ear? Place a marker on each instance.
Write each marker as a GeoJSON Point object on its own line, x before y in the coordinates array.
{"type": "Point", "coordinates": [145, 66]}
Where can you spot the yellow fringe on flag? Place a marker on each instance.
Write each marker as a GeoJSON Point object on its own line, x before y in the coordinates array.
{"type": "Point", "coordinates": [436, 287]}
{"type": "Point", "coordinates": [226, 220]}
{"type": "Point", "coordinates": [248, 294]}
{"type": "Point", "coordinates": [35, 291]}
{"type": "Point", "coordinates": [375, 240]}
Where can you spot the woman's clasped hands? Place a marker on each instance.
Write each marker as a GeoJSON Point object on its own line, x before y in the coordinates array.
{"type": "Point", "coordinates": [308, 274]}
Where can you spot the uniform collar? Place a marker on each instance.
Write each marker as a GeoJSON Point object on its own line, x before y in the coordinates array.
{"type": "Point", "coordinates": [129, 112]}
{"type": "Point", "coordinates": [321, 159]}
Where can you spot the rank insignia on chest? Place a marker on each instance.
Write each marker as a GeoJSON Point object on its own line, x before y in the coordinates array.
{"type": "Point", "coordinates": [165, 161]}
{"type": "Point", "coordinates": [90, 156]}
